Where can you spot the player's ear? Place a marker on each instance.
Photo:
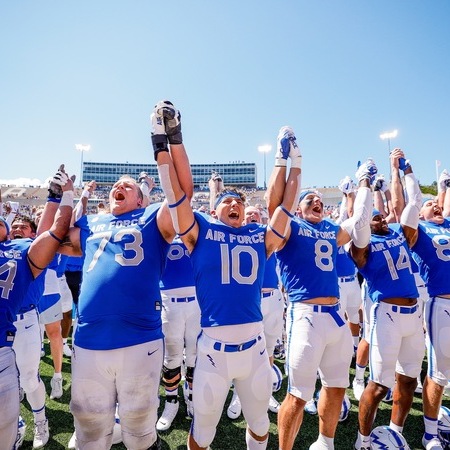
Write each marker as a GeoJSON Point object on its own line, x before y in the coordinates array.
{"type": "Point", "coordinates": [213, 213]}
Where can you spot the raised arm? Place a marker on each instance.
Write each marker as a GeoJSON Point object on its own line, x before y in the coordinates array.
{"type": "Point", "coordinates": [215, 184]}
{"type": "Point", "coordinates": [348, 188]}
{"type": "Point", "coordinates": [410, 215]}
{"type": "Point", "coordinates": [54, 223]}
{"type": "Point", "coordinates": [444, 193]}
{"type": "Point", "coordinates": [397, 193]}
{"type": "Point", "coordinates": [282, 194]}
{"type": "Point", "coordinates": [357, 228]}
{"type": "Point", "coordinates": [176, 215]}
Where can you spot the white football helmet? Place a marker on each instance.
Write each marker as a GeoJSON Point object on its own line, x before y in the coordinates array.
{"type": "Point", "coordinates": [384, 437]}
{"type": "Point", "coordinates": [444, 426]}
{"type": "Point", "coordinates": [277, 378]}
{"type": "Point", "coordinates": [345, 408]}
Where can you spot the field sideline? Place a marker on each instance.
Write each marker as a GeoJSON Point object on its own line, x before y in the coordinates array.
{"type": "Point", "coordinates": [230, 434]}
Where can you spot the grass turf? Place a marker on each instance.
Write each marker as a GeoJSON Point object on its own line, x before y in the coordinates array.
{"type": "Point", "coordinates": [230, 434]}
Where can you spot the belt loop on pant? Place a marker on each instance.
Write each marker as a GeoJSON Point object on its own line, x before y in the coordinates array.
{"type": "Point", "coordinates": [347, 279]}
{"type": "Point", "coordinates": [231, 348]}
{"type": "Point", "coordinates": [405, 309]}
{"type": "Point", "coordinates": [332, 310]}
{"type": "Point", "coordinates": [182, 299]}
{"type": "Point", "coordinates": [267, 294]}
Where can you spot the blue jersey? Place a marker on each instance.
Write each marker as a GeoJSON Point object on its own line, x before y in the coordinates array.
{"type": "Point", "coordinates": [15, 279]}
{"type": "Point", "coordinates": [433, 256]}
{"type": "Point", "coordinates": [74, 263]}
{"type": "Point", "coordinates": [345, 265]}
{"type": "Point", "coordinates": [229, 268]}
{"type": "Point", "coordinates": [270, 274]}
{"type": "Point", "coordinates": [34, 294]}
{"type": "Point", "coordinates": [120, 300]}
{"type": "Point", "coordinates": [178, 271]}
{"type": "Point", "coordinates": [388, 271]}
{"type": "Point", "coordinates": [62, 264]}
{"type": "Point", "coordinates": [308, 260]}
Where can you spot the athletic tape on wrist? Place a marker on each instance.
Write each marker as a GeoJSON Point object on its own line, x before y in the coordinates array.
{"type": "Point", "coordinates": [67, 199]}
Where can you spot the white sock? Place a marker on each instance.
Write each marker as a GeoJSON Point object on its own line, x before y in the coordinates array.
{"type": "Point", "coordinates": [396, 427]}
{"type": "Point", "coordinates": [253, 444]}
{"type": "Point", "coordinates": [57, 375]}
{"type": "Point", "coordinates": [326, 441]}
{"type": "Point", "coordinates": [36, 399]}
{"type": "Point", "coordinates": [363, 439]}
{"type": "Point", "coordinates": [64, 341]}
{"type": "Point", "coordinates": [359, 372]}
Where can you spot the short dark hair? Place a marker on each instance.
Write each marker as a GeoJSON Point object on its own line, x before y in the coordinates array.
{"type": "Point", "coordinates": [26, 219]}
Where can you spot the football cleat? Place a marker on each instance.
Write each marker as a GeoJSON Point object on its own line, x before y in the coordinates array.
{"type": "Point", "coordinates": [57, 389]}
{"type": "Point", "coordinates": [41, 434]}
{"type": "Point", "coordinates": [72, 441]}
{"type": "Point", "coordinates": [274, 405]}
{"type": "Point", "coordinates": [311, 407]}
{"type": "Point", "coordinates": [384, 437]}
{"type": "Point", "coordinates": [67, 351]}
{"type": "Point", "coordinates": [432, 444]}
{"type": "Point", "coordinates": [235, 408]}
{"type": "Point", "coordinates": [277, 378]}
{"type": "Point", "coordinates": [168, 415]}
{"type": "Point", "coordinates": [419, 387]}
{"type": "Point", "coordinates": [359, 445]}
{"type": "Point", "coordinates": [21, 428]}
{"type": "Point", "coordinates": [358, 388]}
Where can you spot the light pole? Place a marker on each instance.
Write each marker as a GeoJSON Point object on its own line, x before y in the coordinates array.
{"type": "Point", "coordinates": [389, 135]}
{"type": "Point", "coordinates": [264, 149]}
{"type": "Point", "coordinates": [82, 148]}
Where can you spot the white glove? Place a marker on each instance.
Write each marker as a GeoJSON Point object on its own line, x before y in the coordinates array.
{"type": "Point", "coordinates": [159, 136]}
{"type": "Point", "coordinates": [346, 185]}
{"type": "Point", "coordinates": [366, 170]}
{"type": "Point", "coordinates": [59, 179]}
{"type": "Point", "coordinates": [287, 148]}
{"type": "Point", "coordinates": [444, 181]}
{"type": "Point", "coordinates": [172, 121]}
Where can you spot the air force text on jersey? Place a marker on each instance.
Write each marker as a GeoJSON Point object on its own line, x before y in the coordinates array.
{"type": "Point", "coordinates": [394, 242]}
{"type": "Point", "coordinates": [215, 235]}
{"type": "Point", "coordinates": [317, 234]}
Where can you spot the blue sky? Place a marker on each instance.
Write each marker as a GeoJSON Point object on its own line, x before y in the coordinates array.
{"type": "Point", "coordinates": [339, 72]}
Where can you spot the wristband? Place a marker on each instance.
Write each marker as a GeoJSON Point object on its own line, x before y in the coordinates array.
{"type": "Point", "coordinates": [86, 194]}
{"type": "Point", "coordinates": [67, 199]}
{"type": "Point", "coordinates": [296, 162]}
{"type": "Point", "coordinates": [280, 162]}
{"type": "Point", "coordinates": [145, 189]}
{"type": "Point", "coordinates": [53, 197]}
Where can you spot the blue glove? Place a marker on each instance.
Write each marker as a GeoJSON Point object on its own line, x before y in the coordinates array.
{"type": "Point", "coordinates": [403, 164]}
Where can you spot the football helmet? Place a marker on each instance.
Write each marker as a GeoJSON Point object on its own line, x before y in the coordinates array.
{"type": "Point", "coordinates": [277, 378]}
{"type": "Point", "coordinates": [444, 426]}
{"type": "Point", "coordinates": [384, 437]}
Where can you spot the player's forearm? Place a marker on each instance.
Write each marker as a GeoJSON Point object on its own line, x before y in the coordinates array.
{"type": "Point", "coordinates": [183, 169]}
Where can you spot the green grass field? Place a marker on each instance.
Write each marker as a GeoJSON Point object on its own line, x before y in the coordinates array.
{"type": "Point", "coordinates": [230, 434]}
